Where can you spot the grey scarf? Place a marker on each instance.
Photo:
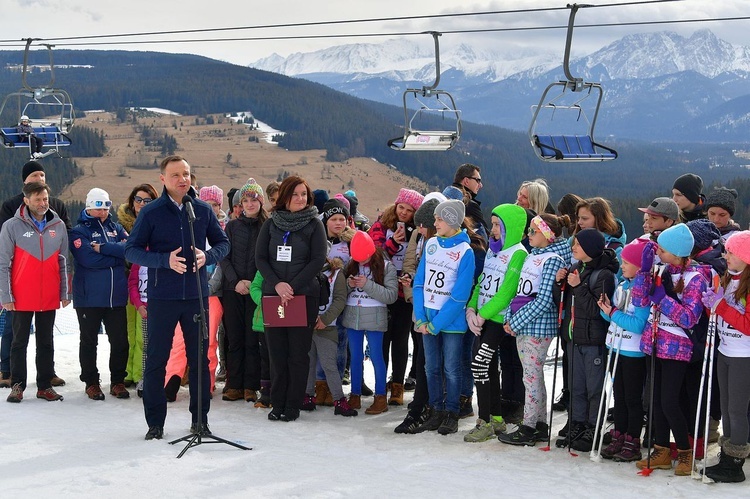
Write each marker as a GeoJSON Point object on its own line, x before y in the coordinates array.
{"type": "Point", "coordinates": [293, 221]}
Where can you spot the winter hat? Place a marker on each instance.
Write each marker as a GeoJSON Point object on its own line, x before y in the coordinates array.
{"type": "Point", "coordinates": [435, 195]}
{"type": "Point", "coordinates": [343, 200]}
{"type": "Point", "coordinates": [353, 203]}
{"type": "Point", "coordinates": [29, 168]}
{"type": "Point", "coordinates": [633, 252]}
{"type": "Point", "coordinates": [320, 197]}
{"type": "Point", "coordinates": [350, 193]}
{"type": "Point", "coordinates": [410, 197]}
{"type": "Point", "coordinates": [690, 185]}
{"type": "Point", "coordinates": [452, 212]}
{"type": "Point", "coordinates": [97, 199]}
{"type": "Point", "coordinates": [677, 239]}
{"type": "Point", "coordinates": [230, 196]}
{"type": "Point", "coordinates": [663, 207]}
{"type": "Point", "coordinates": [591, 242]}
{"type": "Point", "coordinates": [361, 248]}
{"type": "Point", "coordinates": [334, 207]}
{"type": "Point", "coordinates": [453, 192]}
{"type": "Point", "coordinates": [739, 244]}
{"type": "Point", "coordinates": [252, 189]}
{"type": "Point", "coordinates": [704, 234]}
{"type": "Point", "coordinates": [425, 215]}
{"type": "Point", "coordinates": [236, 201]}
{"type": "Point", "coordinates": [723, 198]}
{"type": "Point", "coordinates": [212, 193]}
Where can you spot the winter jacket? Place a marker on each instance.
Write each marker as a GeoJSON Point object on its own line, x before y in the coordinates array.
{"type": "Point", "coordinates": [126, 217]}
{"type": "Point", "coordinates": [162, 227]}
{"type": "Point", "coordinates": [630, 323]}
{"type": "Point", "coordinates": [10, 207]}
{"type": "Point", "coordinates": [134, 287]}
{"type": "Point", "coordinates": [379, 234]}
{"type": "Point", "coordinates": [474, 211]}
{"type": "Point", "coordinates": [587, 326]}
{"type": "Point", "coordinates": [99, 279]}
{"type": "Point", "coordinates": [309, 249]}
{"type": "Point", "coordinates": [339, 293]}
{"type": "Point", "coordinates": [34, 266]}
{"type": "Point", "coordinates": [698, 212]}
{"type": "Point", "coordinates": [411, 261]}
{"type": "Point", "coordinates": [685, 311]}
{"type": "Point", "coordinates": [513, 218]}
{"type": "Point", "coordinates": [256, 293]}
{"type": "Point", "coordinates": [538, 317]}
{"type": "Point", "coordinates": [451, 316]}
{"type": "Point", "coordinates": [728, 230]}
{"type": "Point", "coordinates": [373, 318]}
{"type": "Point", "coordinates": [239, 264]}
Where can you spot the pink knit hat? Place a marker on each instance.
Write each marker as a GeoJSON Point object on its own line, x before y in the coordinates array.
{"type": "Point", "coordinates": [739, 244]}
{"type": "Point", "coordinates": [410, 197]}
{"type": "Point", "coordinates": [212, 193]}
{"type": "Point", "coordinates": [633, 252]}
{"type": "Point", "coordinates": [343, 199]}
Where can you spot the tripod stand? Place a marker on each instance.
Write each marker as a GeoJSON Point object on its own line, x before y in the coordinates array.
{"type": "Point", "coordinates": [201, 434]}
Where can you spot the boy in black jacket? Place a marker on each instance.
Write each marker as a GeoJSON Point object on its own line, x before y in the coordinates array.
{"type": "Point", "coordinates": [587, 280]}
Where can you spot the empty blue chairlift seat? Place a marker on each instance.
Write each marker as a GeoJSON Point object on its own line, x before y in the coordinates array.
{"type": "Point", "coordinates": [572, 148]}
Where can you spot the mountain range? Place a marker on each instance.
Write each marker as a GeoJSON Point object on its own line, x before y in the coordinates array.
{"type": "Point", "coordinates": [658, 86]}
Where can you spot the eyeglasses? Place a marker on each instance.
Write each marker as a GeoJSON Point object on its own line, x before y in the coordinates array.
{"type": "Point", "coordinates": [102, 204]}
{"type": "Point", "coordinates": [532, 231]}
{"type": "Point", "coordinates": [139, 200]}
{"type": "Point", "coordinates": [478, 180]}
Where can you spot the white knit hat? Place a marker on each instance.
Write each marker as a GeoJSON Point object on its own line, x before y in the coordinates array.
{"type": "Point", "coordinates": [97, 199]}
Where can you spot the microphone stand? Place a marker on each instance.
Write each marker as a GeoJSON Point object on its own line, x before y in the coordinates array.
{"type": "Point", "coordinates": [201, 435]}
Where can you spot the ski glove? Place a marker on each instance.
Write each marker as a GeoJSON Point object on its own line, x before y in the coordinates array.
{"type": "Point", "coordinates": [711, 298]}
{"type": "Point", "coordinates": [647, 257]}
{"type": "Point", "coordinates": [657, 294]}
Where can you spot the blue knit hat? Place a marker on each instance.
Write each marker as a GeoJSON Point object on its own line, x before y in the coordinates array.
{"type": "Point", "coordinates": [677, 239]}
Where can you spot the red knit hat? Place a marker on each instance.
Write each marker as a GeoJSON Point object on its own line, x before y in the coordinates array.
{"type": "Point", "coordinates": [739, 244]}
{"type": "Point", "coordinates": [410, 197]}
{"type": "Point", "coordinates": [361, 248]}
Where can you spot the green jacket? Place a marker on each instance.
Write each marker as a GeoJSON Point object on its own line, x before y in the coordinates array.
{"type": "Point", "coordinates": [256, 293]}
{"type": "Point", "coordinates": [513, 218]}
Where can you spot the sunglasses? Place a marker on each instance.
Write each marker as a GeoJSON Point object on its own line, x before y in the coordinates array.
{"type": "Point", "coordinates": [102, 204]}
{"type": "Point", "coordinates": [478, 180]}
{"type": "Point", "coordinates": [139, 200]}
{"type": "Point", "coordinates": [532, 231]}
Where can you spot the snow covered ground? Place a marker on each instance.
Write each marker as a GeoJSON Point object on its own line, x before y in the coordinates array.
{"type": "Point", "coordinates": [82, 448]}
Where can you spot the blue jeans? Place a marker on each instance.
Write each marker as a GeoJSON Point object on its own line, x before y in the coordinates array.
{"type": "Point", "coordinates": [6, 334]}
{"type": "Point", "coordinates": [443, 354]}
{"type": "Point", "coordinates": [356, 348]}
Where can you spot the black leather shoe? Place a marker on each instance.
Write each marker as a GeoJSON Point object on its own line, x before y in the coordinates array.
{"type": "Point", "coordinates": [194, 429]}
{"type": "Point", "coordinates": [154, 433]}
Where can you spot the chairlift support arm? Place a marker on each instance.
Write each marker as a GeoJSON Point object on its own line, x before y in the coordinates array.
{"type": "Point", "coordinates": [29, 41]}
{"type": "Point", "coordinates": [576, 84]}
{"type": "Point", "coordinates": [428, 90]}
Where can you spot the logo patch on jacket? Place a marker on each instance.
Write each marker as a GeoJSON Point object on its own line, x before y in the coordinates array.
{"type": "Point", "coordinates": [77, 243]}
{"type": "Point", "coordinates": [28, 234]}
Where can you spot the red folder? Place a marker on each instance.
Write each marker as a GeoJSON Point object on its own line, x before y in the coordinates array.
{"type": "Point", "coordinates": [294, 314]}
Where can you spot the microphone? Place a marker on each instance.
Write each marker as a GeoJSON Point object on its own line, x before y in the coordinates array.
{"type": "Point", "coordinates": [188, 202]}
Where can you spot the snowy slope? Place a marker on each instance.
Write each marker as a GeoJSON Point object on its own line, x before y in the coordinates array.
{"type": "Point", "coordinates": [81, 448]}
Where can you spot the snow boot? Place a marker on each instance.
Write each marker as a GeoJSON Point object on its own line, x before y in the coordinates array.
{"type": "Point", "coordinates": [731, 460]}
{"type": "Point", "coordinates": [231, 394]}
{"type": "Point", "coordinates": [524, 435]}
{"type": "Point", "coordinates": [585, 441]}
{"type": "Point", "coordinates": [323, 394]}
{"type": "Point", "coordinates": [264, 401]}
{"type": "Point", "coordinates": [119, 391]}
{"type": "Point", "coordinates": [484, 431]}
{"type": "Point", "coordinates": [571, 436]}
{"type": "Point", "coordinates": [355, 401]}
{"type": "Point", "coordinates": [308, 404]}
{"type": "Point", "coordinates": [94, 391]}
{"type": "Point", "coordinates": [342, 408]}
{"type": "Point", "coordinates": [542, 431]}
{"type": "Point", "coordinates": [466, 407]}
{"type": "Point", "coordinates": [661, 459]}
{"type": "Point", "coordinates": [684, 463]}
{"type": "Point", "coordinates": [615, 444]}
{"type": "Point", "coordinates": [397, 394]}
{"type": "Point", "coordinates": [449, 424]}
{"type": "Point", "coordinates": [250, 395]}
{"type": "Point", "coordinates": [412, 422]}
{"type": "Point", "coordinates": [379, 405]}
{"type": "Point", "coordinates": [630, 451]}
{"type": "Point", "coordinates": [433, 422]}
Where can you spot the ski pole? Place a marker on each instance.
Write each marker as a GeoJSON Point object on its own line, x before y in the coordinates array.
{"type": "Point", "coordinates": [570, 372]}
{"type": "Point", "coordinates": [654, 329]}
{"type": "Point", "coordinates": [712, 335]}
{"type": "Point", "coordinates": [608, 387]}
{"type": "Point", "coordinates": [554, 372]}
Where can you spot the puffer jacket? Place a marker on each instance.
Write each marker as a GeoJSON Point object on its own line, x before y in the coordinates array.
{"type": "Point", "coordinates": [239, 264]}
{"type": "Point", "coordinates": [99, 279]}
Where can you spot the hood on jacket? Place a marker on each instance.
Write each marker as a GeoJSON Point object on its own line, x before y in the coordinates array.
{"type": "Point", "coordinates": [84, 218]}
{"type": "Point", "coordinates": [126, 217]}
{"type": "Point", "coordinates": [618, 237]}
{"type": "Point", "coordinates": [514, 219]}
